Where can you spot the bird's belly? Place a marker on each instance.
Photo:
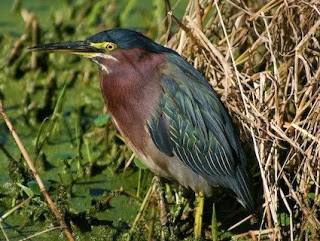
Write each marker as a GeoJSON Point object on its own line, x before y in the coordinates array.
{"type": "Point", "coordinates": [166, 166]}
{"type": "Point", "coordinates": [172, 168]}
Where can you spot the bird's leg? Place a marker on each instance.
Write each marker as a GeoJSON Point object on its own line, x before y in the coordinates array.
{"type": "Point", "coordinates": [198, 215]}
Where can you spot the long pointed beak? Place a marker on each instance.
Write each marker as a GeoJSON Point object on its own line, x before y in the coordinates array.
{"type": "Point", "coordinates": [82, 48]}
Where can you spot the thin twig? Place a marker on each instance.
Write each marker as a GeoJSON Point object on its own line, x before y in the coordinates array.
{"type": "Point", "coordinates": [36, 175]}
{"type": "Point", "coordinates": [42, 232]}
{"type": "Point", "coordinates": [240, 222]}
{"type": "Point", "coordinates": [4, 233]}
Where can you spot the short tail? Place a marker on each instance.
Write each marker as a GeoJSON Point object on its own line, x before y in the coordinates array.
{"type": "Point", "coordinates": [241, 185]}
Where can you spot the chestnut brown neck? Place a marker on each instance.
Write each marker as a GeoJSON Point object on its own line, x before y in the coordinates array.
{"type": "Point", "coordinates": [131, 89]}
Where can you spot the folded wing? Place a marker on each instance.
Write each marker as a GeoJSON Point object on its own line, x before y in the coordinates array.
{"type": "Point", "coordinates": [192, 124]}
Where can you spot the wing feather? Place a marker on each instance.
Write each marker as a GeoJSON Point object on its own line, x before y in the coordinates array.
{"type": "Point", "coordinates": [198, 130]}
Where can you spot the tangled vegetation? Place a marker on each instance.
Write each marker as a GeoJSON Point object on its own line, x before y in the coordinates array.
{"type": "Point", "coordinates": [262, 58]}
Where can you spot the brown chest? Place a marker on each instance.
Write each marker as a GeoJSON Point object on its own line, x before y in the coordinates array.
{"type": "Point", "coordinates": [131, 90]}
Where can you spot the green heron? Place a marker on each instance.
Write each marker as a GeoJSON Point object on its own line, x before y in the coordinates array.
{"type": "Point", "coordinates": [167, 112]}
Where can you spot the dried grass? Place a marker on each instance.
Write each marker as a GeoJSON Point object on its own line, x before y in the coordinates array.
{"type": "Point", "coordinates": [263, 59]}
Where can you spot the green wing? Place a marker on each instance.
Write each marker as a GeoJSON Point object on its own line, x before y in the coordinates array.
{"type": "Point", "coordinates": [193, 124]}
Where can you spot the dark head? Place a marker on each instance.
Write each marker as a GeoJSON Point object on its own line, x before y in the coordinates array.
{"type": "Point", "coordinates": [103, 45]}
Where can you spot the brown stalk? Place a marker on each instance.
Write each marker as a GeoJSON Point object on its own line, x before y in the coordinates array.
{"type": "Point", "coordinates": [198, 14]}
{"type": "Point", "coordinates": [273, 96]}
{"type": "Point", "coordinates": [36, 175]}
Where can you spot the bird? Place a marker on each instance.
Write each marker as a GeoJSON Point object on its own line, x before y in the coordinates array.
{"type": "Point", "coordinates": [168, 113]}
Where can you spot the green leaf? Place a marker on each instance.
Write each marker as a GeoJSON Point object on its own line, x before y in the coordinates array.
{"type": "Point", "coordinates": [139, 163]}
{"type": "Point", "coordinates": [33, 185]}
{"type": "Point", "coordinates": [101, 120]}
{"type": "Point", "coordinates": [27, 190]}
{"type": "Point", "coordinates": [284, 219]}
{"type": "Point", "coordinates": [62, 156]}
{"type": "Point", "coordinates": [311, 195]}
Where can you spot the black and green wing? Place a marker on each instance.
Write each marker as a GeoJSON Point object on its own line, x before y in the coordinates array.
{"type": "Point", "coordinates": [192, 123]}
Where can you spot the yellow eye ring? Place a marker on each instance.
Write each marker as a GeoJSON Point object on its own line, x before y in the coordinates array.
{"type": "Point", "coordinates": [110, 46]}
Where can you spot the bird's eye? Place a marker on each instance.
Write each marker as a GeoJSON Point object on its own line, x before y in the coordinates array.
{"type": "Point", "coordinates": [110, 46]}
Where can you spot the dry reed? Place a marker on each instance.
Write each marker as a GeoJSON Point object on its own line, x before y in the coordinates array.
{"type": "Point", "coordinates": [263, 59]}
